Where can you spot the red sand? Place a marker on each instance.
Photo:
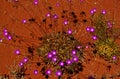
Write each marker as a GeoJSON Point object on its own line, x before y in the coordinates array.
{"type": "Point", "coordinates": [11, 17]}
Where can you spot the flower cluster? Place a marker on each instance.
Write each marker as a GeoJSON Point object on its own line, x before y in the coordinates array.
{"type": "Point", "coordinates": [62, 51]}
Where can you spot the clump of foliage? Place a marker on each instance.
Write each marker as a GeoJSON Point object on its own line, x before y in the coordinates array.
{"type": "Point", "coordinates": [64, 45]}
{"type": "Point", "coordinates": [105, 45]}
{"type": "Point", "coordinates": [107, 49]}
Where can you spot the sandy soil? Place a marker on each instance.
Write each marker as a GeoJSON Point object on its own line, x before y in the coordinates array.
{"type": "Point", "coordinates": [12, 14]}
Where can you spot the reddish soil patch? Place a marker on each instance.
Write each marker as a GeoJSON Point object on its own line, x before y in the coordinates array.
{"type": "Point", "coordinates": [12, 13]}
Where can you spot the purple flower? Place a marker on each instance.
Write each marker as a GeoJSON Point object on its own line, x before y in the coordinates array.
{"type": "Point", "coordinates": [78, 47]}
{"type": "Point", "coordinates": [65, 22]}
{"type": "Point", "coordinates": [73, 52]}
{"type": "Point", "coordinates": [94, 37]}
{"type": "Point", "coordinates": [15, 0]}
{"type": "Point", "coordinates": [9, 37]}
{"type": "Point", "coordinates": [57, 4]}
{"type": "Point", "coordinates": [114, 57]}
{"type": "Point", "coordinates": [35, 72]}
{"type": "Point", "coordinates": [35, 2]}
{"type": "Point", "coordinates": [69, 31]}
{"type": "Point", "coordinates": [103, 11]}
{"type": "Point", "coordinates": [49, 55]}
{"type": "Point", "coordinates": [54, 59]}
{"type": "Point", "coordinates": [25, 60]}
{"type": "Point", "coordinates": [68, 62]}
{"type": "Point", "coordinates": [48, 72]}
{"type": "Point", "coordinates": [5, 33]}
{"type": "Point", "coordinates": [86, 46]}
{"type": "Point", "coordinates": [109, 24]}
{"type": "Point", "coordinates": [21, 64]}
{"type": "Point", "coordinates": [88, 29]}
{"type": "Point", "coordinates": [55, 16]}
{"type": "Point", "coordinates": [61, 63]}
{"type": "Point", "coordinates": [1, 40]}
{"type": "Point", "coordinates": [54, 52]}
{"type": "Point", "coordinates": [5, 30]}
{"type": "Point", "coordinates": [48, 15]}
{"type": "Point", "coordinates": [24, 21]}
{"type": "Point", "coordinates": [58, 73]}
{"type": "Point", "coordinates": [17, 52]}
{"type": "Point", "coordinates": [92, 29]}
{"type": "Point", "coordinates": [75, 59]}
{"type": "Point", "coordinates": [93, 11]}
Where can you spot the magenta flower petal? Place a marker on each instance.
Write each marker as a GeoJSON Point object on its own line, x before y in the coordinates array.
{"type": "Point", "coordinates": [114, 57]}
{"type": "Point", "coordinates": [69, 31]}
{"type": "Point", "coordinates": [92, 29]}
{"type": "Point", "coordinates": [88, 29]}
{"type": "Point", "coordinates": [35, 72]}
{"type": "Point", "coordinates": [103, 11]}
{"type": "Point", "coordinates": [24, 21]}
{"type": "Point", "coordinates": [94, 9]}
{"type": "Point", "coordinates": [68, 62]}
{"type": "Point", "coordinates": [58, 73]}
{"type": "Point", "coordinates": [94, 37]}
{"type": "Point", "coordinates": [48, 15]}
{"type": "Point", "coordinates": [48, 72]}
{"type": "Point", "coordinates": [91, 12]}
{"type": "Point", "coordinates": [25, 60]}
{"type": "Point", "coordinates": [54, 52]}
{"type": "Point", "coordinates": [78, 47]}
{"type": "Point", "coordinates": [57, 4]}
{"type": "Point", "coordinates": [55, 16]}
{"type": "Point", "coordinates": [9, 37]}
{"type": "Point", "coordinates": [35, 2]}
{"type": "Point", "coordinates": [17, 52]}
{"type": "Point", "coordinates": [21, 64]}
{"type": "Point", "coordinates": [65, 22]}
{"type": "Point", "coordinates": [75, 59]}
{"type": "Point", "coordinates": [73, 52]}
{"type": "Point", "coordinates": [61, 63]}
{"type": "Point", "coordinates": [49, 55]}
{"type": "Point", "coordinates": [1, 40]}
{"type": "Point", "coordinates": [54, 59]}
